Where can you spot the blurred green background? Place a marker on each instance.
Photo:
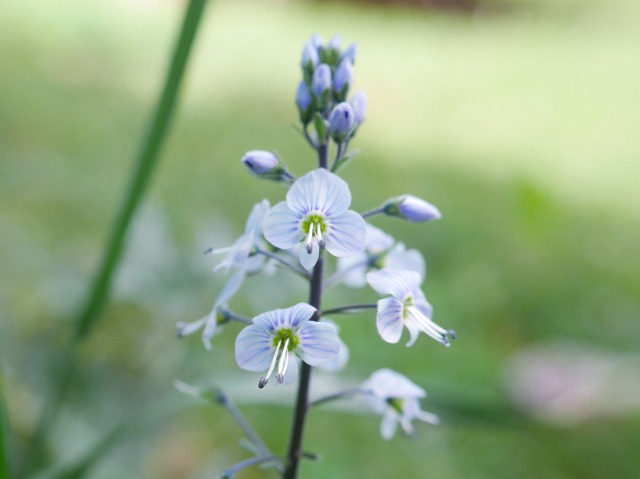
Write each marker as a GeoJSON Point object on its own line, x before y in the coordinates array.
{"type": "Point", "coordinates": [519, 120]}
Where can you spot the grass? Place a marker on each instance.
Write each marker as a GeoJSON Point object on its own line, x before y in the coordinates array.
{"type": "Point", "coordinates": [518, 125]}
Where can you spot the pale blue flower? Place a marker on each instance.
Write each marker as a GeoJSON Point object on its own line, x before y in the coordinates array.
{"type": "Point", "coordinates": [277, 335]}
{"type": "Point", "coordinates": [407, 307]}
{"type": "Point", "coordinates": [411, 208]}
{"type": "Point", "coordinates": [341, 122]}
{"type": "Point", "coordinates": [398, 400]}
{"type": "Point", "coordinates": [210, 322]}
{"type": "Point", "coordinates": [381, 251]}
{"type": "Point", "coordinates": [359, 105]}
{"type": "Point", "coordinates": [343, 77]}
{"type": "Point", "coordinates": [238, 253]}
{"type": "Point", "coordinates": [316, 213]}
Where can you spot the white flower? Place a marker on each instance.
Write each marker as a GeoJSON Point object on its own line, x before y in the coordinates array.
{"type": "Point", "coordinates": [238, 253]}
{"type": "Point", "coordinates": [380, 252]}
{"type": "Point", "coordinates": [398, 400]}
{"type": "Point", "coordinates": [316, 213]}
{"type": "Point", "coordinates": [407, 306]}
{"type": "Point", "coordinates": [278, 334]}
{"type": "Point", "coordinates": [341, 359]}
{"type": "Point", "coordinates": [210, 322]}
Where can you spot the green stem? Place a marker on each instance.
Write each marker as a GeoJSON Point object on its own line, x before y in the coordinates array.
{"type": "Point", "coordinates": [147, 159]}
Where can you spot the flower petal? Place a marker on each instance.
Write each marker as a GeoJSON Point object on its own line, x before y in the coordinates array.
{"type": "Point", "coordinates": [289, 318]}
{"type": "Point", "coordinates": [291, 374]}
{"type": "Point", "coordinates": [282, 227]}
{"type": "Point", "coordinates": [309, 260]}
{"type": "Point", "coordinates": [254, 348]}
{"type": "Point", "coordinates": [386, 383]}
{"type": "Point", "coordinates": [319, 190]}
{"type": "Point", "coordinates": [345, 234]}
{"type": "Point", "coordinates": [399, 258]}
{"type": "Point", "coordinates": [377, 240]}
{"type": "Point", "coordinates": [389, 424]}
{"type": "Point", "coordinates": [398, 284]}
{"type": "Point", "coordinates": [389, 319]}
{"type": "Point", "coordinates": [318, 343]}
{"type": "Point", "coordinates": [352, 270]}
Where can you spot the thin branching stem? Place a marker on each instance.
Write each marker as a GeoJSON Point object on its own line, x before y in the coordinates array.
{"type": "Point", "coordinates": [289, 265]}
{"type": "Point", "coordinates": [349, 309]}
{"type": "Point", "coordinates": [232, 471]}
{"type": "Point", "coordinates": [336, 396]}
{"type": "Point", "coordinates": [374, 212]}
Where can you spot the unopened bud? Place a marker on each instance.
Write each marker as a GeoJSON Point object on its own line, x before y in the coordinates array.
{"type": "Point", "coordinates": [343, 79]}
{"type": "Point", "coordinates": [411, 208]}
{"type": "Point", "coordinates": [304, 102]}
{"type": "Point", "coordinates": [359, 105]}
{"type": "Point", "coordinates": [350, 53]}
{"type": "Point", "coordinates": [341, 122]}
{"type": "Point", "coordinates": [321, 85]}
{"type": "Point", "coordinates": [310, 56]}
{"type": "Point", "coordinates": [264, 164]}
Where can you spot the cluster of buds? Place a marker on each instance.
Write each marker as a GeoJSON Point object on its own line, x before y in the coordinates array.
{"type": "Point", "coordinates": [321, 98]}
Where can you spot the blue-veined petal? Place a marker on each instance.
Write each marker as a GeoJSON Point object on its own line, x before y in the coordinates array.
{"type": "Point", "coordinates": [289, 318]}
{"type": "Point", "coordinates": [377, 240]}
{"type": "Point", "coordinates": [319, 190]}
{"type": "Point", "coordinates": [254, 348]}
{"type": "Point", "coordinates": [282, 227]}
{"type": "Point", "coordinates": [414, 332]}
{"type": "Point", "coordinates": [399, 284]}
{"type": "Point", "coordinates": [422, 304]}
{"type": "Point", "coordinates": [309, 260]}
{"type": "Point", "coordinates": [389, 319]}
{"type": "Point", "coordinates": [352, 270]}
{"type": "Point", "coordinates": [399, 258]}
{"type": "Point", "coordinates": [346, 234]}
{"type": "Point", "coordinates": [256, 217]}
{"type": "Point", "coordinates": [318, 343]}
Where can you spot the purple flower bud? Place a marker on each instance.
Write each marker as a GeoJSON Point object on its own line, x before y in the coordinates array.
{"type": "Point", "coordinates": [350, 53]}
{"type": "Point", "coordinates": [310, 56]}
{"type": "Point", "coordinates": [335, 42]}
{"type": "Point", "coordinates": [317, 41]}
{"type": "Point", "coordinates": [343, 77]}
{"type": "Point", "coordinates": [341, 122]}
{"type": "Point", "coordinates": [263, 163]}
{"type": "Point", "coordinates": [303, 96]}
{"type": "Point", "coordinates": [359, 105]}
{"type": "Point", "coordinates": [321, 80]}
{"type": "Point", "coordinates": [411, 208]}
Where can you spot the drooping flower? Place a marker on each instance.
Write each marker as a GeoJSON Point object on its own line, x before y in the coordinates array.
{"type": "Point", "coordinates": [277, 335]}
{"type": "Point", "coordinates": [381, 252]}
{"type": "Point", "coordinates": [237, 254]}
{"type": "Point", "coordinates": [211, 321]}
{"type": "Point", "coordinates": [316, 213]}
{"type": "Point", "coordinates": [411, 208]}
{"type": "Point", "coordinates": [398, 400]}
{"type": "Point", "coordinates": [407, 306]}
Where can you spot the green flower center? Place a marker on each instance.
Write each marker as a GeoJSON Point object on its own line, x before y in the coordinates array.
{"type": "Point", "coordinates": [408, 303]}
{"type": "Point", "coordinates": [396, 403]}
{"type": "Point", "coordinates": [311, 221]}
{"type": "Point", "coordinates": [282, 336]}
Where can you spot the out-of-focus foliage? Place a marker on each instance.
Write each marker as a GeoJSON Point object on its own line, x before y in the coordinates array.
{"type": "Point", "coordinates": [518, 124]}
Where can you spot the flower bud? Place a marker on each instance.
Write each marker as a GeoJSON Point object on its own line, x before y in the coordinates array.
{"type": "Point", "coordinates": [335, 43]}
{"type": "Point", "coordinates": [341, 122]}
{"type": "Point", "coordinates": [321, 85]}
{"type": "Point", "coordinates": [317, 41]}
{"type": "Point", "coordinates": [359, 105]}
{"type": "Point", "coordinates": [310, 56]}
{"type": "Point", "coordinates": [411, 208]}
{"type": "Point", "coordinates": [343, 79]}
{"type": "Point", "coordinates": [350, 53]}
{"type": "Point", "coordinates": [304, 102]}
{"type": "Point", "coordinates": [264, 164]}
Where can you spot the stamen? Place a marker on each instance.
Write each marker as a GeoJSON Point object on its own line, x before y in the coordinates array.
{"type": "Point", "coordinates": [263, 381]}
{"type": "Point", "coordinates": [284, 362]}
{"type": "Point", "coordinates": [307, 243]}
{"type": "Point", "coordinates": [319, 234]}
